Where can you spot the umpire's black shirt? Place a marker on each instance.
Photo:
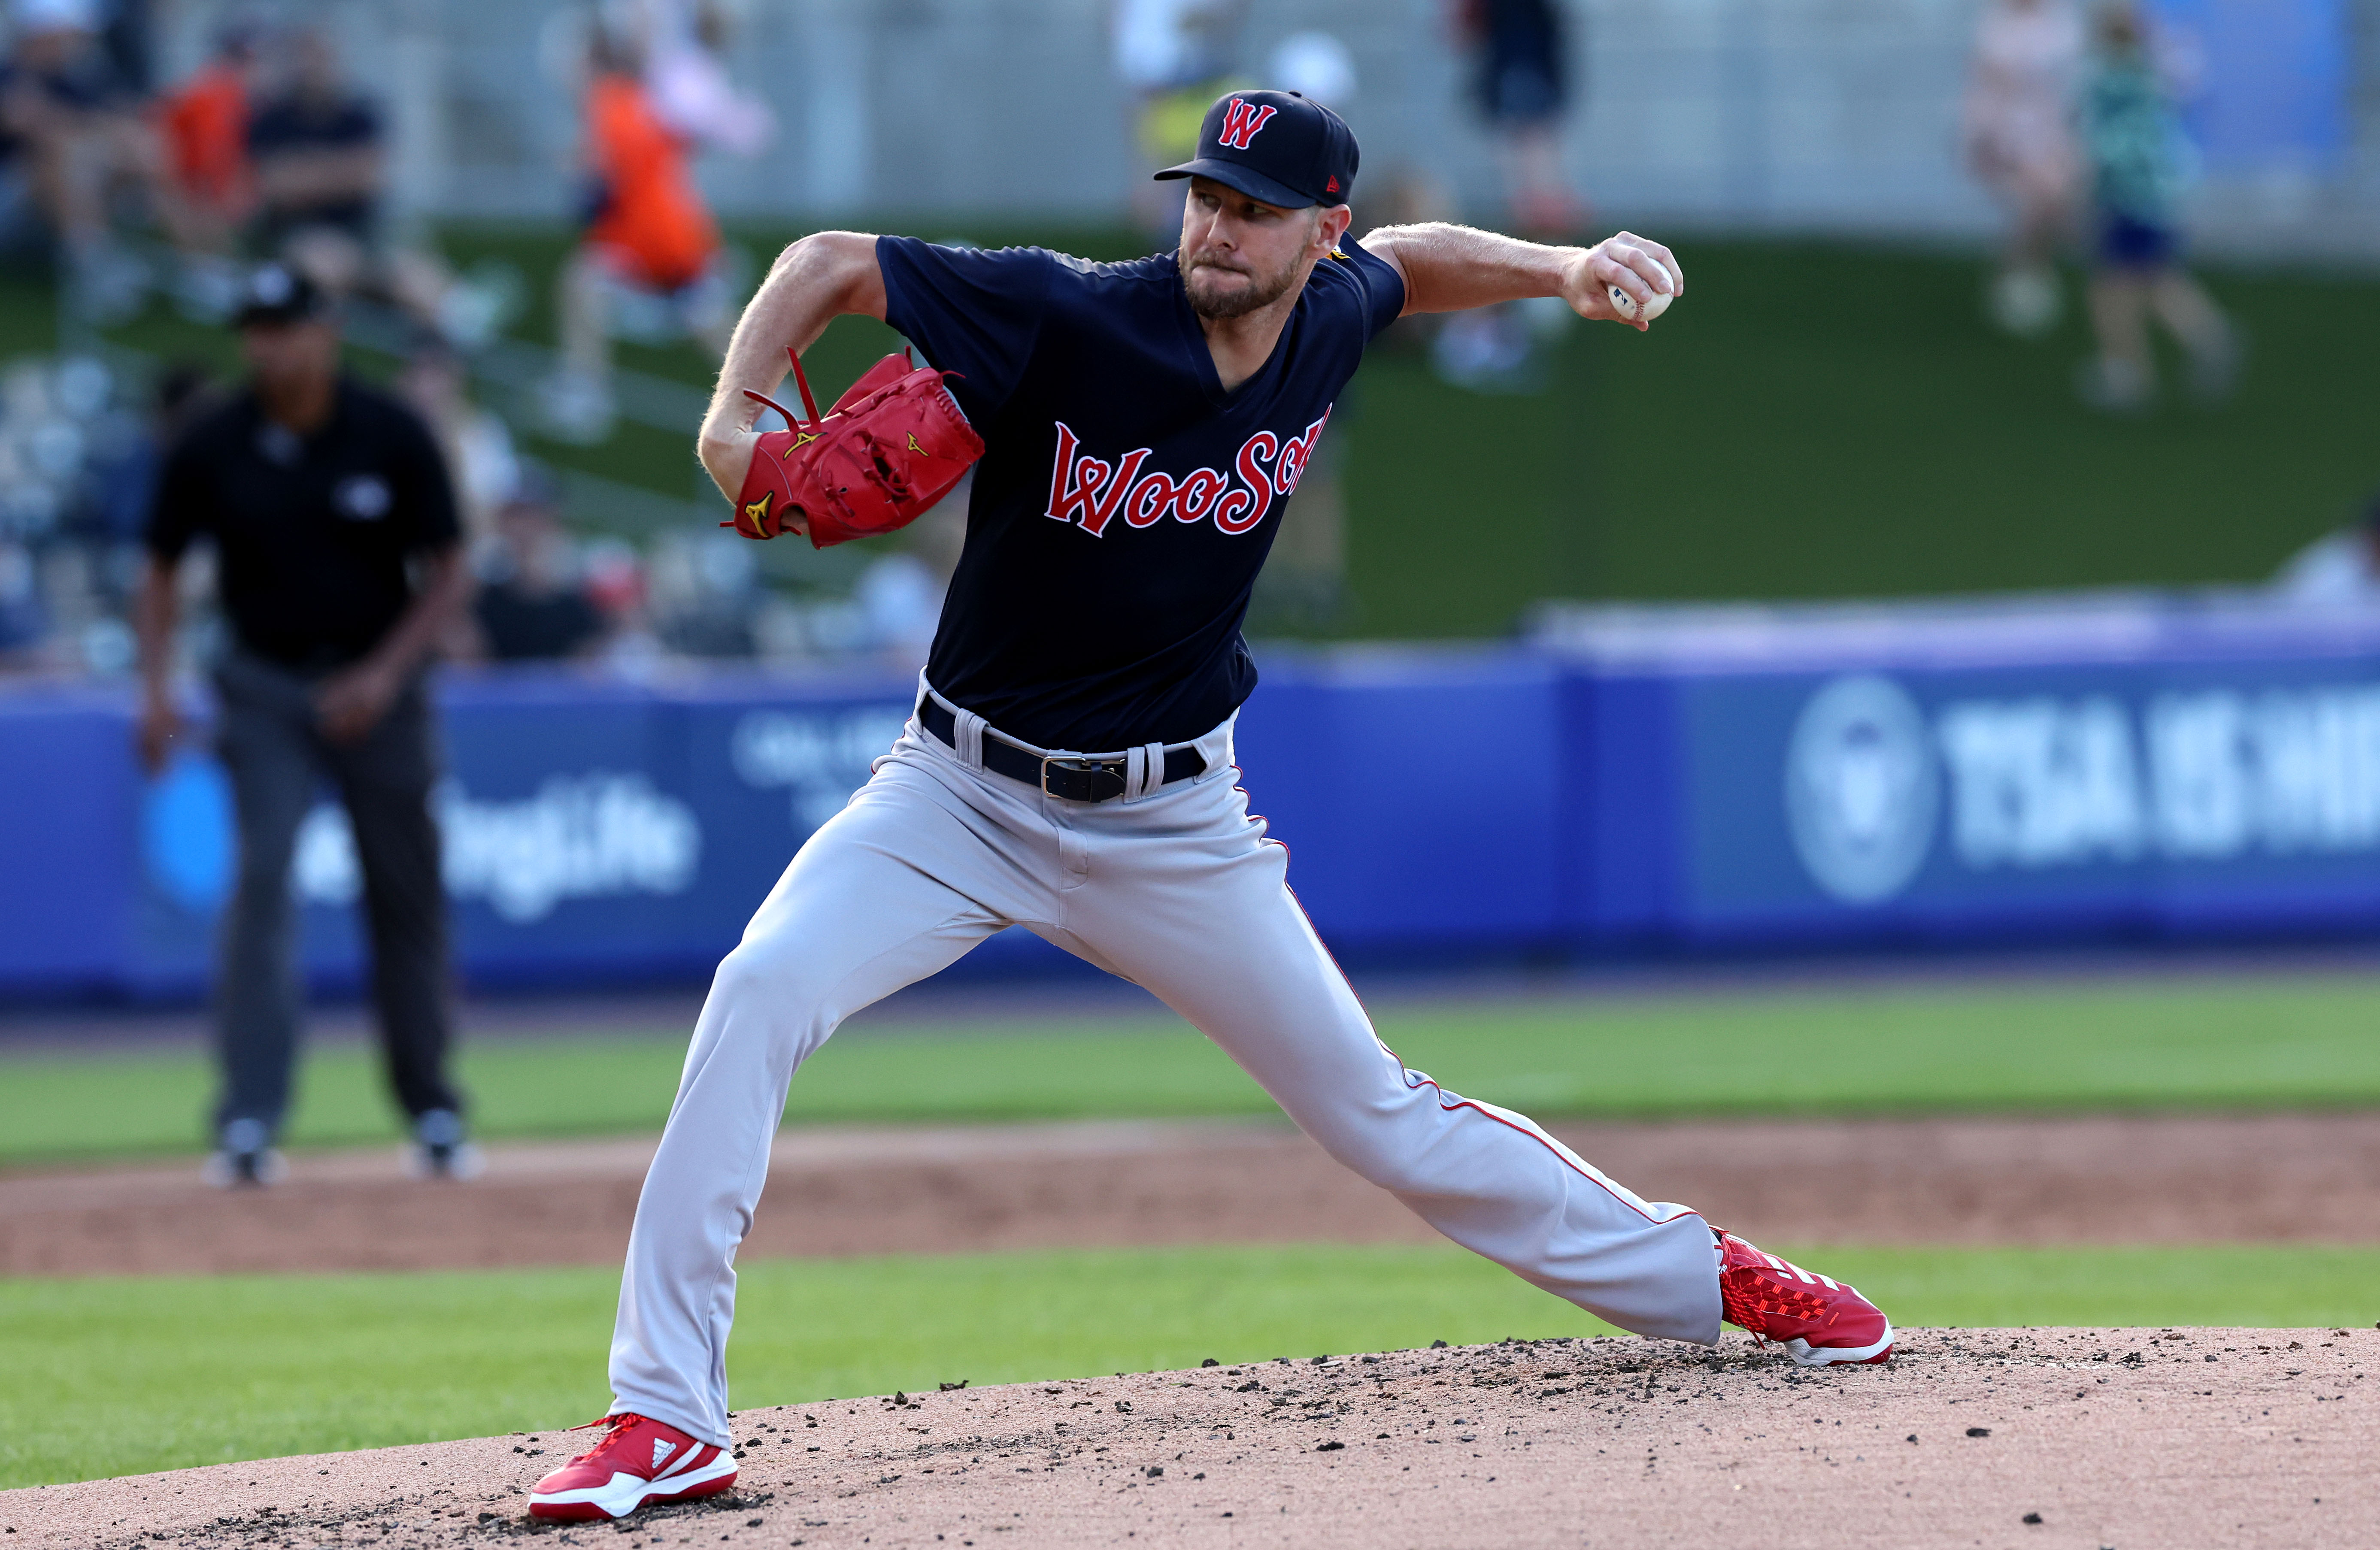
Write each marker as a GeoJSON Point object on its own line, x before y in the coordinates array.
{"type": "Point", "coordinates": [311, 533]}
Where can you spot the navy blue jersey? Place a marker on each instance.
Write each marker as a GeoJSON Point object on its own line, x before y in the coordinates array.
{"type": "Point", "coordinates": [1124, 501]}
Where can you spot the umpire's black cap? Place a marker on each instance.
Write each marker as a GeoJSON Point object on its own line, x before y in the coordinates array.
{"type": "Point", "coordinates": [275, 294]}
{"type": "Point", "coordinates": [1275, 146]}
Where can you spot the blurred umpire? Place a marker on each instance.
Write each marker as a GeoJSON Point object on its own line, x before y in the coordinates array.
{"type": "Point", "coordinates": [339, 565]}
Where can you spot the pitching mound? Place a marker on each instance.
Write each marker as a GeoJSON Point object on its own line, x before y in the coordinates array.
{"type": "Point", "coordinates": [2046, 1438]}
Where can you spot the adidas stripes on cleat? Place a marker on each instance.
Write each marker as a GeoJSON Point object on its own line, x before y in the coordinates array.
{"type": "Point", "coordinates": [1817, 1319]}
{"type": "Point", "coordinates": [638, 1460]}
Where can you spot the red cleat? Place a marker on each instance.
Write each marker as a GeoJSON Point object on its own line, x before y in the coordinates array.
{"type": "Point", "coordinates": [639, 1461]}
{"type": "Point", "coordinates": [1819, 1320]}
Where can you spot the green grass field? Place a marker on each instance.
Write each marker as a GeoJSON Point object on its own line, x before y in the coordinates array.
{"type": "Point", "coordinates": [117, 1376]}
{"type": "Point", "coordinates": [1813, 420]}
{"type": "Point", "coordinates": [2259, 1041]}
{"type": "Point", "coordinates": [126, 1376]}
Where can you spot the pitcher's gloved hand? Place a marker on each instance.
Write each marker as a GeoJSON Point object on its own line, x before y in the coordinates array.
{"type": "Point", "coordinates": [890, 448]}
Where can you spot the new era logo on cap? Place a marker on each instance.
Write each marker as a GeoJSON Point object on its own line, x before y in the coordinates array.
{"type": "Point", "coordinates": [1275, 146]}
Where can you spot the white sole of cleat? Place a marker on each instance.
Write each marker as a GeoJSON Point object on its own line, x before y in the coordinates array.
{"type": "Point", "coordinates": [624, 1494]}
{"type": "Point", "coordinates": [1808, 1355]}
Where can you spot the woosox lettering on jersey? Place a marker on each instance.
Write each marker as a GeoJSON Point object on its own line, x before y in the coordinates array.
{"type": "Point", "coordinates": [1092, 491]}
{"type": "Point", "coordinates": [1095, 391]}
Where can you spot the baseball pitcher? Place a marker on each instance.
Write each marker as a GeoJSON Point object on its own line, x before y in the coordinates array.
{"type": "Point", "coordinates": [1136, 430]}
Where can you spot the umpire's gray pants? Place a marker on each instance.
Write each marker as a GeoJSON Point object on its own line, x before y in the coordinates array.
{"type": "Point", "coordinates": [278, 760]}
{"type": "Point", "coordinates": [1179, 891]}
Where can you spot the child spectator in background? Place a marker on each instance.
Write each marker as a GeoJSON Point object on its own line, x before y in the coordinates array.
{"type": "Point", "coordinates": [2020, 142]}
{"type": "Point", "coordinates": [649, 242]}
{"type": "Point", "coordinates": [2140, 166]}
{"type": "Point", "coordinates": [210, 183]}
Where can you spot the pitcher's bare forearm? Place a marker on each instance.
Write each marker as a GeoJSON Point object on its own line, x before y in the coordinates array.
{"type": "Point", "coordinates": [1450, 268]}
{"type": "Point", "coordinates": [815, 281]}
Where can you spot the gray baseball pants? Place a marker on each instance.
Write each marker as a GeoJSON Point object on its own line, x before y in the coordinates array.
{"type": "Point", "coordinates": [1177, 890]}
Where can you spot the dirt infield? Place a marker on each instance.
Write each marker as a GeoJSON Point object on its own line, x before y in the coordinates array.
{"type": "Point", "coordinates": [2036, 1438]}
{"type": "Point", "coordinates": [2204, 1179]}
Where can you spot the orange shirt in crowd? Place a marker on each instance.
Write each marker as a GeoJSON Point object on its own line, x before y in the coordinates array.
{"type": "Point", "coordinates": [205, 130]}
{"type": "Point", "coordinates": [653, 220]}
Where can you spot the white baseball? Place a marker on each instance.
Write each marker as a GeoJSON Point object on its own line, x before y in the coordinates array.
{"type": "Point", "coordinates": [1625, 305]}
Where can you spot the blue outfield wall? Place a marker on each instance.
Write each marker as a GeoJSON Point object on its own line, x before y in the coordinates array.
{"type": "Point", "coordinates": [1769, 782]}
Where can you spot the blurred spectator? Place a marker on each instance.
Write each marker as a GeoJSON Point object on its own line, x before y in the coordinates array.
{"type": "Point", "coordinates": [210, 183]}
{"type": "Point", "coordinates": [321, 168]}
{"type": "Point", "coordinates": [685, 67]}
{"type": "Point", "coordinates": [900, 596]}
{"type": "Point", "coordinates": [2020, 142]}
{"type": "Point", "coordinates": [1314, 65]}
{"type": "Point", "coordinates": [124, 471]}
{"type": "Point", "coordinates": [649, 242]}
{"type": "Point", "coordinates": [706, 594]}
{"type": "Point", "coordinates": [340, 568]}
{"type": "Point", "coordinates": [2340, 568]}
{"type": "Point", "coordinates": [480, 454]}
{"type": "Point", "coordinates": [1174, 58]}
{"type": "Point", "coordinates": [531, 604]}
{"type": "Point", "coordinates": [70, 138]}
{"type": "Point", "coordinates": [124, 37]}
{"type": "Point", "coordinates": [24, 621]}
{"type": "Point", "coordinates": [900, 602]}
{"type": "Point", "coordinates": [614, 580]}
{"type": "Point", "coordinates": [1404, 195]}
{"type": "Point", "coordinates": [2140, 164]}
{"type": "Point", "coordinates": [1503, 349]}
{"type": "Point", "coordinates": [1522, 87]}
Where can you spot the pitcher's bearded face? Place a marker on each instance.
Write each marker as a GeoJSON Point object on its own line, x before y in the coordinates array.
{"type": "Point", "coordinates": [1229, 285]}
{"type": "Point", "coordinates": [1240, 255]}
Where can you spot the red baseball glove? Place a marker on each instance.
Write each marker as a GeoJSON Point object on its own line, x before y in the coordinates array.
{"type": "Point", "coordinates": [891, 447]}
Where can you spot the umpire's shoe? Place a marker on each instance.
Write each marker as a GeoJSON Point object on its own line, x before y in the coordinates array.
{"type": "Point", "coordinates": [1816, 1318]}
{"type": "Point", "coordinates": [244, 1157]}
{"type": "Point", "coordinates": [639, 1461]}
{"type": "Point", "coordinates": [441, 1149]}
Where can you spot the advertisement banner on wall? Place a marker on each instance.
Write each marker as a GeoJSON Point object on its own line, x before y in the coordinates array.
{"type": "Point", "coordinates": [585, 828]}
{"type": "Point", "coordinates": [1799, 784]}
{"type": "Point", "coordinates": [2166, 797]}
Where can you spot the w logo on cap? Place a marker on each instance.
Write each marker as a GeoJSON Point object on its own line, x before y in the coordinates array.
{"type": "Point", "coordinates": [1242, 119]}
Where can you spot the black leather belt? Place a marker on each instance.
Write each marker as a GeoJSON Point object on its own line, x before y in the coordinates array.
{"type": "Point", "coordinates": [1069, 780]}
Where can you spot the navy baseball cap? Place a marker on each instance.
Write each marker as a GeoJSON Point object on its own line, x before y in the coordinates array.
{"type": "Point", "coordinates": [1275, 146]}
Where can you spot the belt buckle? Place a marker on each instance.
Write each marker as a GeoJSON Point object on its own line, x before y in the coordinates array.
{"type": "Point", "coordinates": [1077, 766]}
